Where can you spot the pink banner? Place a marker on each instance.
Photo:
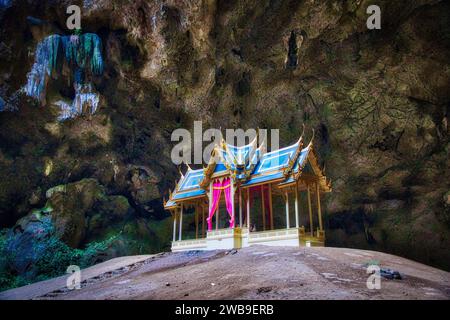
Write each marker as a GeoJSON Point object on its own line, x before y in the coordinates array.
{"type": "Point", "coordinates": [229, 204]}
{"type": "Point", "coordinates": [216, 193]}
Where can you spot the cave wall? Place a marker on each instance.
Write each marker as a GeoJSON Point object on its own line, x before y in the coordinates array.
{"type": "Point", "coordinates": [378, 99]}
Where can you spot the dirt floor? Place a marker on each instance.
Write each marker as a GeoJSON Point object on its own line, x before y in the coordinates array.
{"type": "Point", "coordinates": [258, 272]}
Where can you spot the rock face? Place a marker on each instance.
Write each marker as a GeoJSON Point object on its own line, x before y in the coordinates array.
{"type": "Point", "coordinates": [378, 99]}
{"type": "Point", "coordinates": [70, 204]}
{"type": "Point", "coordinates": [76, 215]}
{"type": "Point", "coordinates": [24, 241]}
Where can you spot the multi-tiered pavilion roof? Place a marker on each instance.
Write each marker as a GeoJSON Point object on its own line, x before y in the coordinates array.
{"type": "Point", "coordinates": [250, 178]}
{"type": "Point", "coordinates": [250, 165]}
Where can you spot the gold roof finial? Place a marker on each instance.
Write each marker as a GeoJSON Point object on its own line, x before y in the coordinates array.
{"type": "Point", "coordinates": [263, 138]}
{"type": "Point", "coordinates": [312, 138]}
{"type": "Point", "coordinates": [222, 143]}
{"type": "Point", "coordinates": [301, 136]}
{"type": "Point", "coordinates": [262, 146]}
{"type": "Point", "coordinates": [254, 140]}
{"type": "Point", "coordinates": [179, 170]}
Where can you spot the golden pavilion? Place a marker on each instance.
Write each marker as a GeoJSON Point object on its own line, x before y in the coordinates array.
{"type": "Point", "coordinates": [270, 198]}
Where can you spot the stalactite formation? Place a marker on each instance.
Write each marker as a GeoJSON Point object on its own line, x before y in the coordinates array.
{"type": "Point", "coordinates": [85, 102]}
{"type": "Point", "coordinates": [2, 104]}
{"type": "Point", "coordinates": [5, 3]}
{"type": "Point", "coordinates": [292, 58]}
{"type": "Point", "coordinates": [81, 54]}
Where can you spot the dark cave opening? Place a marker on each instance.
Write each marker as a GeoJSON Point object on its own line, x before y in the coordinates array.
{"type": "Point", "coordinates": [292, 58]}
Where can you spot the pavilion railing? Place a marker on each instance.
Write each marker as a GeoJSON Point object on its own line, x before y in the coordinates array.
{"type": "Point", "coordinates": [240, 237]}
{"type": "Point", "coordinates": [278, 234]}
{"type": "Point", "coordinates": [192, 244]}
{"type": "Point", "coordinates": [220, 232]}
{"type": "Point", "coordinates": [291, 234]}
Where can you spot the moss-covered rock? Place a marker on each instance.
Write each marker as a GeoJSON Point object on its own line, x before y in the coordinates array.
{"type": "Point", "coordinates": [70, 204]}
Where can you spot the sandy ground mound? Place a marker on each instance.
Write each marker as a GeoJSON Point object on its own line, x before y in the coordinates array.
{"type": "Point", "coordinates": [258, 272]}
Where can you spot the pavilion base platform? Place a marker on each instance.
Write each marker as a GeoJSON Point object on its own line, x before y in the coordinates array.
{"type": "Point", "coordinates": [225, 239]}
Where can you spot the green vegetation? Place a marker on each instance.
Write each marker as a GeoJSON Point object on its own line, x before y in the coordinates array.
{"type": "Point", "coordinates": [52, 257]}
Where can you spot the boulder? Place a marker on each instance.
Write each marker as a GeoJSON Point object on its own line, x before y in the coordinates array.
{"type": "Point", "coordinates": [25, 243]}
{"type": "Point", "coordinates": [143, 186]}
{"type": "Point", "coordinates": [75, 214]}
{"type": "Point", "coordinates": [107, 217]}
{"type": "Point", "coordinates": [70, 204]}
{"type": "Point", "coordinates": [114, 208]}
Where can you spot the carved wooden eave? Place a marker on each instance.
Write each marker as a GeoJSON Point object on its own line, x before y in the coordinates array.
{"type": "Point", "coordinates": [209, 170]}
{"type": "Point", "coordinates": [324, 183]}
{"type": "Point", "coordinates": [172, 207]}
{"type": "Point", "coordinates": [259, 150]}
{"type": "Point", "coordinates": [229, 154]}
{"type": "Point", "coordinates": [292, 160]}
{"type": "Point", "coordinates": [312, 159]}
{"type": "Point", "coordinates": [219, 149]}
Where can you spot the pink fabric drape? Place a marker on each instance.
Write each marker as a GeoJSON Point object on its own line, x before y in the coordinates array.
{"type": "Point", "coordinates": [217, 191]}
{"type": "Point", "coordinates": [229, 203]}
